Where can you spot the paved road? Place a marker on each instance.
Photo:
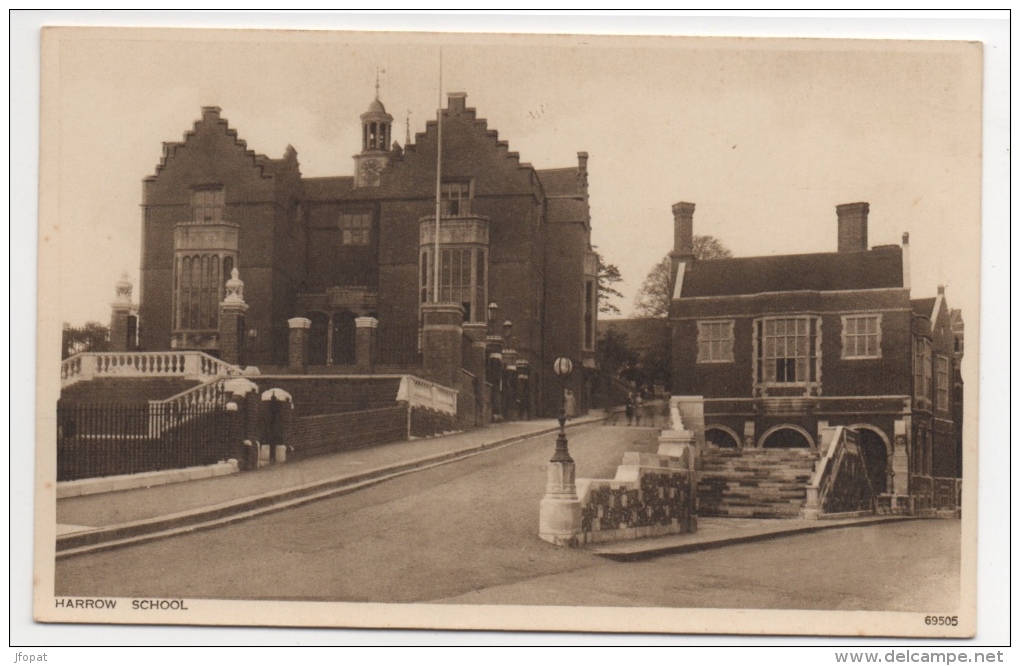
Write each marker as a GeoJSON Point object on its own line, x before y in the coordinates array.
{"type": "Point", "coordinates": [467, 532]}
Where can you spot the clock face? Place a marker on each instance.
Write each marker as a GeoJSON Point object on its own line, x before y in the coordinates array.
{"type": "Point", "coordinates": [369, 172]}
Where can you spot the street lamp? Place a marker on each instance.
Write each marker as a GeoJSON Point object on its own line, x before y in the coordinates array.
{"type": "Point", "coordinates": [562, 367]}
{"type": "Point", "coordinates": [559, 513]}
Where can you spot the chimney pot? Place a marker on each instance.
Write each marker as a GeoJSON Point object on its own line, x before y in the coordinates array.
{"type": "Point", "coordinates": [906, 238]}
{"type": "Point", "coordinates": [852, 220]}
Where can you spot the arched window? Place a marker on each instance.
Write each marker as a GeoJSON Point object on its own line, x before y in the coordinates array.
{"type": "Point", "coordinates": [200, 280]}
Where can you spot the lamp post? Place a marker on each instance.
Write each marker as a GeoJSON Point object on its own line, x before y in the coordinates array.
{"type": "Point", "coordinates": [509, 371]}
{"type": "Point", "coordinates": [562, 367]}
{"type": "Point", "coordinates": [559, 516]}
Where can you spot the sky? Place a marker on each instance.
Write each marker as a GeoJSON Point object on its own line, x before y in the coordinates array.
{"type": "Point", "coordinates": [766, 137]}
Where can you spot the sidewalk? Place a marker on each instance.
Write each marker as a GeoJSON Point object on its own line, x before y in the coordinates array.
{"type": "Point", "coordinates": [721, 532]}
{"type": "Point", "coordinates": [86, 521]}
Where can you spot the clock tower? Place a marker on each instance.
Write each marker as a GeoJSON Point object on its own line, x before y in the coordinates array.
{"type": "Point", "coordinates": [375, 140]}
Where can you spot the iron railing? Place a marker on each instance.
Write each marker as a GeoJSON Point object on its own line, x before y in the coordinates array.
{"type": "Point", "coordinates": [95, 440]}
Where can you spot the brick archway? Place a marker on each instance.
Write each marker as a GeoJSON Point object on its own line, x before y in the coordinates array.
{"type": "Point", "coordinates": [786, 436]}
{"type": "Point", "coordinates": [877, 451]}
{"type": "Point", "coordinates": [721, 436]}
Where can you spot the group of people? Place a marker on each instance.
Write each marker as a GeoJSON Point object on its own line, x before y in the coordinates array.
{"type": "Point", "coordinates": [640, 408]}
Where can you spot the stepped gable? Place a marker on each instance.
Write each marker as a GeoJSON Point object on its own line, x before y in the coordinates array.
{"type": "Point", "coordinates": [464, 134]}
{"type": "Point", "coordinates": [211, 122]}
{"type": "Point", "coordinates": [879, 268]}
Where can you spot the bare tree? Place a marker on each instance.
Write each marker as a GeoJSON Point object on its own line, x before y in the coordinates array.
{"type": "Point", "coordinates": [653, 297]}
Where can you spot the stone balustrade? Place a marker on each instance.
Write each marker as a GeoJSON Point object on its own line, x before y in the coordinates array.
{"type": "Point", "coordinates": [184, 364]}
{"type": "Point", "coordinates": [178, 409]}
{"type": "Point", "coordinates": [419, 392]}
{"type": "Point", "coordinates": [839, 485]}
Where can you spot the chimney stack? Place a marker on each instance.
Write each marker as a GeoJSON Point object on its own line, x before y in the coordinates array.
{"type": "Point", "coordinates": [582, 173]}
{"type": "Point", "coordinates": [853, 227]}
{"type": "Point", "coordinates": [683, 231]}
{"type": "Point", "coordinates": [905, 248]}
{"type": "Point", "coordinates": [456, 101]}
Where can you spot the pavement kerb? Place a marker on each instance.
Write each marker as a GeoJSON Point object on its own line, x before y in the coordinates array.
{"type": "Point", "coordinates": [638, 553]}
{"type": "Point", "coordinates": [139, 531]}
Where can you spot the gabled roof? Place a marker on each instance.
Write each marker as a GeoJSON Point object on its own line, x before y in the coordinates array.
{"type": "Point", "coordinates": [879, 268]}
{"type": "Point", "coordinates": [559, 182]}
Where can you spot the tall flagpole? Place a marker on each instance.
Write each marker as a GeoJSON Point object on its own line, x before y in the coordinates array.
{"type": "Point", "coordinates": [437, 258]}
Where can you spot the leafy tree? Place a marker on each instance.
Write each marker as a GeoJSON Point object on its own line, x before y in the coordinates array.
{"type": "Point", "coordinates": [613, 353]}
{"type": "Point", "coordinates": [93, 336]}
{"type": "Point", "coordinates": [608, 276]}
{"type": "Point", "coordinates": [653, 297]}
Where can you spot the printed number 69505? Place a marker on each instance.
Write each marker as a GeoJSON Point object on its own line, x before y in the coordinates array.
{"type": "Point", "coordinates": [945, 620]}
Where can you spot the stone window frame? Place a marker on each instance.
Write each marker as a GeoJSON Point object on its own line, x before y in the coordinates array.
{"type": "Point", "coordinates": [851, 339]}
{"type": "Point", "coordinates": [814, 352]}
{"type": "Point", "coordinates": [923, 369]}
{"type": "Point", "coordinates": [477, 287]}
{"type": "Point", "coordinates": [355, 227]}
{"type": "Point", "coordinates": [942, 382]}
{"type": "Point", "coordinates": [199, 286]}
{"type": "Point", "coordinates": [456, 197]}
{"type": "Point", "coordinates": [207, 204]}
{"type": "Point", "coordinates": [705, 341]}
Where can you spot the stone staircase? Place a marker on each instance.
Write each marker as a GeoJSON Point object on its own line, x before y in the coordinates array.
{"type": "Point", "coordinates": [754, 483]}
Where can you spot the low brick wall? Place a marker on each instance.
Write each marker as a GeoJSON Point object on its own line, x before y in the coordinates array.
{"type": "Point", "coordinates": [310, 436]}
{"type": "Point", "coordinates": [315, 395]}
{"type": "Point", "coordinates": [428, 422]}
{"type": "Point", "coordinates": [652, 495]}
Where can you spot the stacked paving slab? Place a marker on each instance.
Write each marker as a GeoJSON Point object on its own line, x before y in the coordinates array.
{"type": "Point", "coordinates": [754, 483]}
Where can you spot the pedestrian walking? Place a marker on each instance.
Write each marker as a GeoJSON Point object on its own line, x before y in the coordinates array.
{"type": "Point", "coordinates": [639, 405]}
{"type": "Point", "coordinates": [630, 409]}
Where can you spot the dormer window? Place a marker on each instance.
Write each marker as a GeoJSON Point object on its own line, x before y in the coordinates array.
{"type": "Point", "coordinates": [207, 205]}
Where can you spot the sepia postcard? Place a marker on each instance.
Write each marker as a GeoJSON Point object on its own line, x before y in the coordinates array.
{"type": "Point", "coordinates": [511, 332]}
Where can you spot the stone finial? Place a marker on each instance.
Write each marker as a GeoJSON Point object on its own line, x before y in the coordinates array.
{"type": "Point", "coordinates": [124, 289]}
{"type": "Point", "coordinates": [235, 289]}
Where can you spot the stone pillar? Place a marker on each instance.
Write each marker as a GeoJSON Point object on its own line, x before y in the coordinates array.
{"type": "Point", "coordinates": [121, 310]}
{"type": "Point", "coordinates": [232, 328]}
{"type": "Point", "coordinates": [365, 342]}
{"type": "Point", "coordinates": [476, 365]}
{"type": "Point", "coordinates": [510, 384]}
{"type": "Point", "coordinates": [748, 442]}
{"type": "Point", "coordinates": [243, 396]}
{"type": "Point", "coordinates": [441, 339]}
{"type": "Point", "coordinates": [559, 513]}
{"type": "Point", "coordinates": [900, 462]}
{"type": "Point", "coordinates": [297, 351]}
